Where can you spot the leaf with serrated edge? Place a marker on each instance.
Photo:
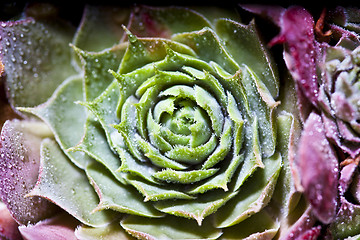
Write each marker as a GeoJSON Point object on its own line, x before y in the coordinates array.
{"type": "Point", "coordinates": [259, 226]}
{"type": "Point", "coordinates": [254, 195]}
{"type": "Point", "coordinates": [113, 231]}
{"type": "Point", "coordinates": [203, 40]}
{"type": "Point", "coordinates": [100, 27]}
{"type": "Point", "coordinates": [94, 144]}
{"type": "Point", "coordinates": [67, 186]}
{"type": "Point", "coordinates": [244, 45]}
{"type": "Point", "coordinates": [169, 228]}
{"type": "Point", "coordinates": [96, 65]}
{"type": "Point", "coordinates": [199, 208]}
{"type": "Point", "coordinates": [117, 196]}
{"type": "Point", "coordinates": [163, 22]}
{"type": "Point", "coordinates": [65, 118]}
{"type": "Point", "coordinates": [156, 192]}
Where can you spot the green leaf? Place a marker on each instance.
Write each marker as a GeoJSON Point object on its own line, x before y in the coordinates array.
{"type": "Point", "coordinates": [113, 231]}
{"type": "Point", "coordinates": [208, 47]}
{"type": "Point", "coordinates": [169, 228]}
{"type": "Point", "coordinates": [184, 177]}
{"type": "Point", "coordinates": [94, 143]}
{"type": "Point", "coordinates": [117, 196]}
{"type": "Point", "coordinates": [198, 208]}
{"type": "Point", "coordinates": [131, 165]}
{"type": "Point", "coordinates": [253, 158]}
{"type": "Point", "coordinates": [157, 191]}
{"type": "Point", "coordinates": [67, 186]}
{"type": "Point", "coordinates": [222, 149]}
{"type": "Point", "coordinates": [100, 27]}
{"type": "Point", "coordinates": [163, 22]}
{"type": "Point", "coordinates": [262, 110]}
{"type": "Point", "coordinates": [65, 118]}
{"type": "Point", "coordinates": [259, 226]}
{"type": "Point", "coordinates": [222, 178]}
{"type": "Point", "coordinates": [96, 67]}
{"type": "Point", "coordinates": [104, 108]}
{"type": "Point", "coordinates": [253, 196]}
{"type": "Point", "coordinates": [245, 46]}
{"type": "Point", "coordinates": [143, 51]}
{"type": "Point", "coordinates": [37, 58]}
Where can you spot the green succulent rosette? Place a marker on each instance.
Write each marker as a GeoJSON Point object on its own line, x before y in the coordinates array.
{"type": "Point", "coordinates": [168, 125]}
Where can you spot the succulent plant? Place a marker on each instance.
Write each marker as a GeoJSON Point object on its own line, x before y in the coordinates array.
{"type": "Point", "coordinates": [323, 59]}
{"type": "Point", "coordinates": [159, 123]}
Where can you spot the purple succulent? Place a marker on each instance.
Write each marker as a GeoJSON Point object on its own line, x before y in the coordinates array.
{"type": "Point", "coordinates": [323, 59]}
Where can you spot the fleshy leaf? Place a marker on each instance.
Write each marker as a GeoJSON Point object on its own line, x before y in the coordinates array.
{"type": "Point", "coordinates": [185, 177]}
{"type": "Point", "coordinates": [169, 228]}
{"type": "Point", "coordinates": [297, 31]}
{"type": "Point", "coordinates": [94, 144]}
{"type": "Point", "coordinates": [100, 27]}
{"type": "Point", "coordinates": [316, 151]}
{"type": "Point", "coordinates": [163, 22]}
{"type": "Point", "coordinates": [57, 228]}
{"type": "Point", "coordinates": [245, 46]}
{"type": "Point", "coordinates": [156, 192]}
{"type": "Point", "coordinates": [258, 226]}
{"type": "Point", "coordinates": [37, 58]}
{"type": "Point", "coordinates": [19, 169]}
{"type": "Point", "coordinates": [96, 67]}
{"type": "Point", "coordinates": [198, 208]}
{"type": "Point", "coordinates": [303, 224]}
{"type": "Point", "coordinates": [67, 186]}
{"type": "Point", "coordinates": [65, 118]}
{"type": "Point", "coordinates": [347, 220]}
{"type": "Point", "coordinates": [117, 196]}
{"type": "Point", "coordinates": [204, 39]}
{"type": "Point", "coordinates": [8, 226]}
{"type": "Point", "coordinates": [113, 231]}
{"type": "Point", "coordinates": [253, 195]}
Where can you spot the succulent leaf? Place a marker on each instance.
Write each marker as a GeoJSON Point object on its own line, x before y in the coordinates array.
{"type": "Point", "coordinates": [63, 183]}
{"type": "Point", "coordinates": [36, 57]}
{"type": "Point", "coordinates": [169, 228]}
{"type": "Point", "coordinates": [174, 118]}
{"type": "Point", "coordinates": [57, 228]}
{"type": "Point", "coordinates": [20, 162]}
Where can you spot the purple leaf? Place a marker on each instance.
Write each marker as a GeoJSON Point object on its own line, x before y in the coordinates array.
{"type": "Point", "coordinates": [318, 167]}
{"type": "Point", "coordinates": [19, 168]}
{"type": "Point", "coordinates": [8, 226]}
{"type": "Point", "coordinates": [60, 227]}
{"type": "Point", "coordinates": [346, 177]}
{"type": "Point", "coordinates": [304, 224]}
{"type": "Point", "coordinates": [297, 32]}
{"type": "Point", "coordinates": [311, 234]}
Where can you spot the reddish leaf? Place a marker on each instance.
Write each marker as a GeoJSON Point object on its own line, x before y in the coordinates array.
{"type": "Point", "coordinates": [61, 227]}
{"type": "Point", "coordinates": [8, 226]}
{"type": "Point", "coordinates": [304, 224]}
{"type": "Point", "coordinates": [297, 32]}
{"type": "Point", "coordinates": [19, 166]}
{"type": "Point", "coordinates": [318, 167]}
{"type": "Point", "coordinates": [311, 234]}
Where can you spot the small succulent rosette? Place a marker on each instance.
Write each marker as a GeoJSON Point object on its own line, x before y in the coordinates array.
{"type": "Point", "coordinates": [323, 59]}
{"type": "Point", "coordinates": [156, 123]}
